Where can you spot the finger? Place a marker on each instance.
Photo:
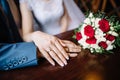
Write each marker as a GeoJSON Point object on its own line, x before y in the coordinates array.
{"type": "Point", "coordinates": [55, 57]}
{"type": "Point", "coordinates": [73, 54]}
{"type": "Point", "coordinates": [46, 55]}
{"type": "Point", "coordinates": [62, 43]}
{"type": "Point", "coordinates": [66, 49]}
{"type": "Point", "coordinates": [68, 43]}
{"type": "Point", "coordinates": [59, 54]}
{"type": "Point", "coordinates": [74, 49]}
{"type": "Point", "coordinates": [62, 50]}
{"type": "Point", "coordinates": [48, 49]}
{"type": "Point", "coordinates": [70, 46]}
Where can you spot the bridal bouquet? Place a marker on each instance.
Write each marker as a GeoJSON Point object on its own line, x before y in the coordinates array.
{"type": "Point", "coordinates": [98, 33]}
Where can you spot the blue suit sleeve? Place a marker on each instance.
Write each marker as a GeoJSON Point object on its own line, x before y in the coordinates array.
{"type": "Point", "coordinates": [17, 55]}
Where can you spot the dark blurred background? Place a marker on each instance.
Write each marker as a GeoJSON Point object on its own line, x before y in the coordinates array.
{"type": "Point", "coordinates": [110, 7]}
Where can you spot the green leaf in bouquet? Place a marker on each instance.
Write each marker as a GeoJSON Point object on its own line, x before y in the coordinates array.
{"type": "Point", "coordinates": [112, 18]}
{"type": "Point", "coordinates": [109, 52]}
{"type": "Point", "coordinates": [74, 37]}
{"type": "Point", "coordinates": [87, 13]}
{"type": "Point", "coordinates": [100, 14]}
{"type": "Point", "coordinates": [117, 26]}
{"type": "Point", "coordinates": [75, 31]}
{"type": "Point", "coordinates": [117, 41]}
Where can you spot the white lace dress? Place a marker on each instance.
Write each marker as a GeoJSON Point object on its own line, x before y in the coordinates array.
{"type": "Point", "coordinates": [49, 12]}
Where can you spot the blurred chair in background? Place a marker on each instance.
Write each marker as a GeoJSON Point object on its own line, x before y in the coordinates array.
{"type": "Point", "coordinates": [111, 7]}
{"type": "Point", "coordinates": [116, 8]}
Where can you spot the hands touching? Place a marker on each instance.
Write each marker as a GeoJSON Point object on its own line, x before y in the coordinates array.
{"type": "Point", "coordinates": [54, 49]}
{"type": "Point", "coordinates": [50, 47]}
{"type": "Point", "coordinates": [71, 48]}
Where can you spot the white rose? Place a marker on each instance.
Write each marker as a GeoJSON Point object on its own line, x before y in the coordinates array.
{"type": "Point", "coordinates": [87, 21]}
{"type": "Point", "coordinates": [112, 28]}
{"type": "Point", "coordinates": [110, 47]}
{"type": "Point", "coordinates": [93, 21]}
{"type": "Point", "coordinates": [83, 43]}
{"type": "Point", "coordinates": [95, 46]}
{"type": "Point", "coordinates": [113, 33]}
{"type": "Point", "coordinates": [96, 22]}
{"type": "Point", "coordinates": [99, 32]}
{"type": "Point", "coordinates": [90, 15]}
{"type": "Point", "coordinates": [108, 42]}
{"type": "Point", "coordinates": [99, 35]}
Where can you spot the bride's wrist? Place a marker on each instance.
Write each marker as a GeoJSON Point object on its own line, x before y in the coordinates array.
{"type": "Point", "coordinates": [34, 35]}
{"type": "Point", "coordinates": [27, 37]}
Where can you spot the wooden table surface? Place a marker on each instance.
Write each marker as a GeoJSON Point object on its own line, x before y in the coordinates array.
{"type": "Point", "coordinates": [83, 67]}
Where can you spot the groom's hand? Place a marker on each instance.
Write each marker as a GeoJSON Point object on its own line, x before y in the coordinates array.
{"type": "Point", "coordinates": [71, 48]}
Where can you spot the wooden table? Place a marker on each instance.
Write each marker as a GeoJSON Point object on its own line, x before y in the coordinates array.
{"type": "Point", "coordinates": [84, 67]}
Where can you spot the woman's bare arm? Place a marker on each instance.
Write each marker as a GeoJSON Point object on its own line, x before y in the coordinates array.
{"type": "Point", "coordinates": [27, 23]}
{"type": "Point", "coordinates": [64, 20]}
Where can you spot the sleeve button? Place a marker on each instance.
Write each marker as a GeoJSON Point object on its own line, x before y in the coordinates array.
{"type": "Point", "coordinates": [15, 63]}
{"type": "Point", "coordinates": [10, 65]}
{"type": "Point", "coordinates": [20, 61]}
{"type": "Point", "coordinates": [24, 59]}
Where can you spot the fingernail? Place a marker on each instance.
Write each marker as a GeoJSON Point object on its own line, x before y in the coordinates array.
{"type": "Point", "coordinates": [53, 64]}
{"type": "Point", "coordinates": [65, 62]}
{"type": "Point", "coordinates": [62, 65]}
{"type": "Point", "coordinates": [75, 54]}
{"type": "Point", "coordinates": [67, 58]}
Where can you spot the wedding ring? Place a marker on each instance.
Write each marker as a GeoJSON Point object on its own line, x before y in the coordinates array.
{"type": "Point", "coordinates": [48, 50]}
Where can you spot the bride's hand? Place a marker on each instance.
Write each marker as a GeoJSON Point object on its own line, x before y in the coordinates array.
{"type": "Point", "coordinates": [50, 48]}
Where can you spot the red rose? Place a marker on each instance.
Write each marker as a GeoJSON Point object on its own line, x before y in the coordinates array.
{"type": "Point", "coordinates": [91, 40]}
{"type": "Point", "coordinates": [78, 36]}
{"type": "Point", "coordinates": [103, 44]}
{"type": "Point", "coordinates": [89, 31]}
{"type": "Point", "coordinates": [110, 37]}
{"type": "Point", "coordinates": [104, 25]}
